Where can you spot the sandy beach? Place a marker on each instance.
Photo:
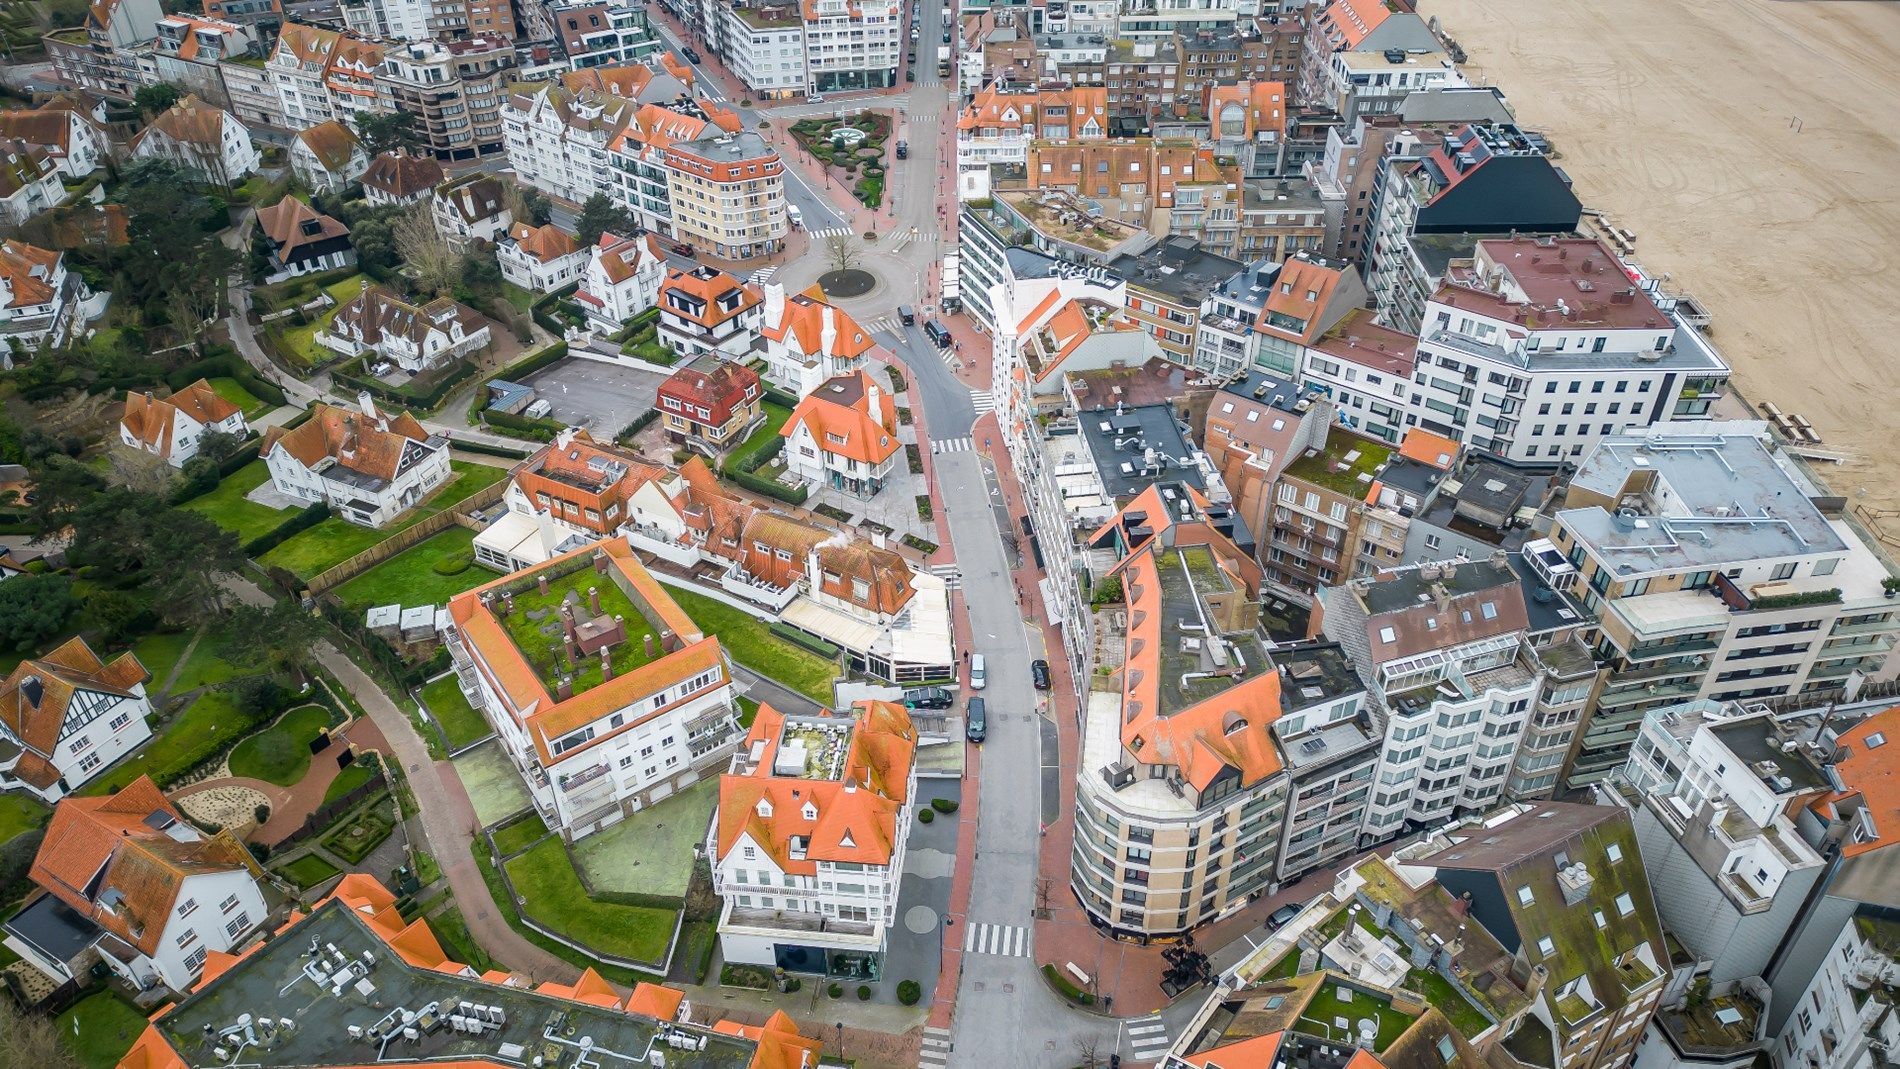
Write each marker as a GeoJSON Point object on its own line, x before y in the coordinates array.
{"type": "Point", "coordinates": [1752, 146]}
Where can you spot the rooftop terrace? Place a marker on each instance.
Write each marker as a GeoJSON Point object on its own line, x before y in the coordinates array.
{"type": "Point", "coordinates": [1187, 575]}
{"type": "Point", "coordinates": [813, 748]}
{"type": "Point", "coordinates": [337, 984]}
{"type": "Point", "coordinates": [1346, 465]}
{"type": "Point", "coordinates": [602, 614]}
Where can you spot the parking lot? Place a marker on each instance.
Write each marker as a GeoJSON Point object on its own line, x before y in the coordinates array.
{"type": "Point", "coordinates": [599, 396]}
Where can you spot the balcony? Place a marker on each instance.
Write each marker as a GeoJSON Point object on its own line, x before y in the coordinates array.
{"type": "Point", "coordinates": [810, 923]}
{"type": "Point", "coordinates": [1863, 625]}
{"type": "Point", "coordinates": [1649, 651]}
{"type": "Point", "coordinates": [1653, 692]}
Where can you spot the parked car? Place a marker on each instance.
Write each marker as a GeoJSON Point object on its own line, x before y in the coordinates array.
{"type": "Point", "coordinates": [815, 98]}
{"type": "Point", "coordinates": [691, 56]}
{"type": "Point", "coordinates": [1282, 917]}
{"type": "Point", "coordinates": [976, 726]}
{"type": "Point", "coordinates": [929, 698]}
{"type": "Point", "coordinates": [937, 333]}
{"type": "Point", "coordinates": [905, 313]}
{"type": "Point", "coordinates": [910, 73]}
{"type": "Point", "coordinates": [979, 672]}
{"type": "Point", "coordinates": [795, 217]}
{"type": "Point", "coordinates": [1039, 674]}
{"type": "Point", "coordinates": [682, 248]}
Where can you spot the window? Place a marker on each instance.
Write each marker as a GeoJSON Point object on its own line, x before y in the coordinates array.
{"type": "Point", "coordinates": [238, 926]}
{"type": "Point", "coordinates": [186, 938]}
{"type": "Point", "coordinates": [188, 907]}
{"type": "Point", "coordinates": [1524, 896]}
{"type": "Point", "coordinates": [1615, 852]}
{"type": "Point", "coordinates": [228, 904]}
{"type": "Point", "coordinates": [1782, 571]}
{"type": "Point", "coordinates": [1625, 905]}
{"type": "Point", "coordinates": [1876, 740]}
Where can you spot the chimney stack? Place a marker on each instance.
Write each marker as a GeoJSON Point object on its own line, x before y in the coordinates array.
{"type": "Point", "coordinates": [563, 689]}
{"type": "Point", "coordinates": [541, 581]}
{"type": "Point", "coordinates": [593, 599]}
{"type": "Point", "coordinates": [600, 561]}
{"type": "Point", "coordinates": [649, 643]}
{"type": "Point", "coordinates": [606, 664]}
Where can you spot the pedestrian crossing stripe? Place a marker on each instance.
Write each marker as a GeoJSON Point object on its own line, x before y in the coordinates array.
{"type": "Point", "coordinates": [983, 402]}
{"type": "Point", "coordinates": [1003, 940]}
{"type": "Point", "coordinates": [762, 276]}
{"type": "Point", "coordinates": [1149, 1036]}
{"type": "Point", "coordinates": [951, 445]}
{"type": "Point", "coordinates": [832, 231]}
{"type": "Point", "coordinates": [951, 575]}
{"type": "Point", "coordinates": [885, 323]}
{"type": "Point", "coordinates": [936, 1049]}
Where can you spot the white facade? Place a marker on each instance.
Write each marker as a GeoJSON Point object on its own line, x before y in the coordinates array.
{"type": "Point", "coordinates": [853, 45]}
{"type": "Point", "coordinates": [530, 272]}
{"type": "Point", "coordinates": [401, 20]}
{"type": "Point", "coordinates": [423, 468]}
{"type": "Point", "coordinates": [620, 280]}
{"type": "Point", "coordinates": [185, 435]}
{"type": "Point", "coordinates": [214, 911]}
{"type": "Point", "coordinates": [464, 215]}
{"type": "Point", "coordinates": [812, 460]}
{"type": "Point", "coordinates": [227, 160]}
{"type": "Point", "coordinates": [557, 141]}
{"type": "Point", "coordinates": [100, 729]}
{"type": "Point", "coordinates": [317, 175]}
{"type": "Point", "coordinates": [769, 58]}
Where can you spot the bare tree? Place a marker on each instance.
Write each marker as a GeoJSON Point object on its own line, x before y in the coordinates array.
{"type": "Point", "coordinates": [1044, 885]}
{"type": "Point", "coordinates": [840, 253]}
{"type": "Point", "coordinates": [426, 254]}
{"type": "Point", "coordinates": [32, 1042]}
{"type": "Point", "coordinates": [141, 471]}
{"type": "Point", "coordinates": [1088, 1048]}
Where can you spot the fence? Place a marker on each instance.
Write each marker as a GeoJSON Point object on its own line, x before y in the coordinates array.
{"type": "Point", "coordinates": [407, 538]}
{"type": "Point", "coordinates": [516, 901]}
{"type": "Point", "coordinates": [319, 820]}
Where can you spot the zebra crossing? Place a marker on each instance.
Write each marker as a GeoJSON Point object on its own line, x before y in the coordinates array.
{"type": "Point", "coordinates": [1003, 940]}
{"type": "Point", "coordinates": [889, 324]}
{"type": "Point", "coordinates": [1148, 1038]}
{"type": "Point", "coordinates": [951, 445]}
{"type": "Point", "coordinates": [762, 275]}
{"type": "Point", "coordinates": [914, 235]}
{"type": "Point", "coordinates": [832, 231]}
{"type": "Point", "coordinates": [936, 1052]}
{"type": "Point", "coordinates": [951, 575]}
{"type": "Point", "coordinates": [983, 401]}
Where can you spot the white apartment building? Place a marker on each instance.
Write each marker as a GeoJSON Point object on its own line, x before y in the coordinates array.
{"type": "Point", "coordinates": [1535, 349]}
{"type": "Point", "coordinates": [1165, 18]}
{"type": "Point", "coordinates": [127, 882]}
{"type": "Point", "coordinates": [67, 716]}
{"type": "Point", "coordinates": [637, 705]}
{"type": "Point", "coordinates": [1362, 84]}
{"type": "Point", "coordinates": [727, 192]}
{"type": "Point", "coordinates": [1468, 700]}
{"type": "Point", "coordinates": [765, 47]}
{"type": "Point", "coordinates": [557, 138]}
{"type": "Point", "coordinates": [853, 44]}
{"type": "Point", "coordinates": [809, 841]}
{"type": "Point", "coordinates": [638, 156]}
{"type": "Point", "coordinates": [1713, 574]}
{"type": "Point", "coordinates": [1840, 1023]}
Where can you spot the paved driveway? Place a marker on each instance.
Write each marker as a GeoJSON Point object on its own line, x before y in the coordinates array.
{"type": "Point", "coordinates": [599, 396]}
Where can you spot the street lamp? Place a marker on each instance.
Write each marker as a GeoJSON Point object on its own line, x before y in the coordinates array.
{"type": "Point", "coordinates": [840, 1039]}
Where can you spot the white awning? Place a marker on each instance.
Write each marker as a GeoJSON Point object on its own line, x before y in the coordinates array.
{"type": "Point", "coordinates": [830, 624]}
{"type": "Point", "coordinates": [516, 536]}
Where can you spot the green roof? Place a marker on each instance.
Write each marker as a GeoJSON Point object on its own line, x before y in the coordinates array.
{"type": "Point", "coordinates": [1340, 464]}
{"type": "Point", "coordinates": [536, 628]}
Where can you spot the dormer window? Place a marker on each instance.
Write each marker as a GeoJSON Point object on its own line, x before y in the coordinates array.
{"type": "Point", "coordinates": [765, 809]}
{"type": "Point", "coordinates": [810, 812]}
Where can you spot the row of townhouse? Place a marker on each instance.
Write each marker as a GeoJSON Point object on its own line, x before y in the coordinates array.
{"type": "Point", "coordinates": [680, 165]}
{"type": "Point", "coordinates": [783, 49]}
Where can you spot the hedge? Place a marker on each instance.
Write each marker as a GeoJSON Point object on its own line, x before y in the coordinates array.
{"type": "Point", "coordinates": [640, 422]}
{"type": "Point", "coordinates": [542, 430]}
{"type": "Point", "coordinates": [539, 310]}
{"type": "Point", "coordinates": [403, 395]}
{"type": "Point", "coordinates": [767, 488]}
{"type": "Point", "coordinates": [532, 363]}
{"type": "Point", "coordinates": [228, 363]}
{"type": "Point", "coordinates": [1067, 989]}
{"type": "Point", "coordinates": [302, 521]}
{"type": "Point", "coordinates": [909, 992]}
{"type": "Point", "coordinates": [469, 445]}
{"type": "Point", "coordinates": [779, 397]}
{"type": "Point", "coordinates": [799, 638]}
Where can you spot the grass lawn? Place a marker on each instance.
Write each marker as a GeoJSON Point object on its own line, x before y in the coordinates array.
{"type": "Point", "coordinates": [233, 391]}
{"type": "Point", "coordinates": [535, 628]}
{"type": "Point", "coordinates": [749, 641]}
{"type": "Point", "coordinates": [766, 434]}
{"type": "Point", "coordinates": [523, 300]}
{"type": "Point", "coordinates": [651, 852]}
{"type": "Point", "coordinates": [18, 815]}
{"type": "Point", "coordinates": [347, 780]}
{"type": "Point", "coordinates": [193, 735]}
{"type": "Point", "coordinates": [301, 342]}
{"type": "Point", "coordinates": [99, 1029]}
{"type": "Point", "coordinates": [518, 835]}
{"type": "Point", "coordinates": [308, 871]}
{"type": "Point", "coordinates": [461, 724]}
{"type": "Point", "coordinates": [494, 787]}
{"type": "Point", "coordinates": [335, 540]}
{"type": "Point", "coordinates": [160, 653]}
{"type": "Point", "coordinates": [280, 754]}
{"type": "Point", "coordinates": [206, 665]}
{"type": "Point", "coordinates": [555, 898]}
{"type": "Point", "coordinates": [228, 509]}
{"type": "Point", "coordinates": [1333, 1001]}
{"type": "Point", "coordinates": [452, 932]}
{"type": "Point", "coordinates": [410, 578]}
{"type": "Point", "coordinates": [748, 712]}
{"type": "Point", "coordinates": [1440, 992]}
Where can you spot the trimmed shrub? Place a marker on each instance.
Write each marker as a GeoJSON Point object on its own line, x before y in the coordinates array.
{"type": "Point", "coordinates": [800, 638]}
{"type": "Point", "coordinates": [909, 992]}
{"type": "Point", "coordinates": [925, 815]}
{"type": "Point", "coordinates": [453, 564]}
{"type": "Point", "coordinates": [836, 990]}
{"type": "Point", "coordinates": [864, 992]}
{"type": "Point", "coordinates": [944, 805]}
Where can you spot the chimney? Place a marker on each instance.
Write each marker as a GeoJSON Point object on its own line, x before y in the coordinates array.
{"type": "Point", "coordinates": [541, 581]}
{"type": "Point", "coordinates": [649, 643]}
{"type": "Point", "coordinates": [593, 599]}
{"type": "Point", "coordinates": [668, 640]}
{"type": "Point", "coordinates": [828, 335]}
{"type": "Point", "coordinates": [368, 405]}
{"type": "Point", "coordinates": [606, 664]}
{"type": "Point", "coordinates": [508, 603]}
{"type": "Point", "coordinates": [774, 303]}
{"type": "Point", "coordinates": [349, 436]}
{"type": "Point", "coordinates": [600, 561]}
{"type": "Point", "coordinates": [563, 689]}
{"type": "Point", "coordinates": [567, 622]}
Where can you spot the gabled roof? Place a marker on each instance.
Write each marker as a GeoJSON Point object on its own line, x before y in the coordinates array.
{"type": "Point", "coordinates": [544, 243]}
{"type": "Point", "coordinates": [855, 815]}
{"type": "Point", "coordinates": [1427, 448]}
{"type": "Point", "coordinates": [28, 271]}
{"type": "Point", "coordinates": [190, 121]}
{"type": "Point", "coordinates": [35, 696]}
{"type": "Point", "coordinates": [152, 419]}
{"type": "Point", "coordinates": [22, 164]}
{"type": "Point", "coordinates": [474, 198]}
{"type": "Point", "coordinates": [400, 175]}
{"type": "Point", "coordinates": [811, 325]}
{"type": "Point", "coordinates": [354, 440]}
{"type": "Point", "coordinates": [1870, 774]}
{"type": "Point", "coordinates": [719, 390]}
{"type": "Point", "coordinates": [376, 315]}
{"type": "Point", "coordinates": [885, 575]}
{"type": "Point", "coordinates": [120, 860]}
{"type": "Point", "coordinates": [332, 143]}
{"type": "Point", "coordinates": [284, 224]}
{"type": "Point", "coordinates": [705, 287]}
{"type": "Point", "coordinates": [621, 258]}
{"type": "Point", "coordinates": [850, 416]}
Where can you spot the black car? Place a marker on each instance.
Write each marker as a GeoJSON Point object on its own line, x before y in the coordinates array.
{"type": "Point", "coordinates": [1282, 917]}
{"type": "Point", "coordinates": [976, 726]}
{"type": "Point", "coordinates": [928, 698]}
{"type": "Point", "coordinates": [691, 56]}
{"type": "Point", "coordinates": [910, 74]}
{"type": "Point", "coordinates": [935, 332]}
{"type": "Point", "coordinates": [1039, 674]}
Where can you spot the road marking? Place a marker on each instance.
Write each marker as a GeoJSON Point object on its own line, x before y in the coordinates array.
{"type": "Point", "coordinates": [1148, 1037]}
{"type": "Point", "coordinates": [951, 575]}
{"type": "Point", "coordinates": [832, 231]}
{"type": "Point", "coordinates": [763, 275]}
{"type": "Point", "coordinates": [936, 1049]}
{"type": "Point", "coordinates": [1003, 940]}
{"type": "Point", "coordinates": [983, 401]}
{"type": "Point", "coordinates": [952, 445]}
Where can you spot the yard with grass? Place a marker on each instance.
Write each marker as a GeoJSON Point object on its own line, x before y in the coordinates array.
{"type": "Point", "coordinates": [751, 643]}
{"type": "Point", "coordinates": [207, 726]}
{"type": "Point", "coordinates": [461, 723]}
{"type": "Point", "coordinates": [308, 871]}
{"type": "Point", "coordinates": [651, 852]}
{"type": "Point", "coordinates": [555, 898]}
{"type": "Point", "coordinates": [364, 830]}
{"type": "Point", "coordinates": [451, 930]}
{"type": "Point", "coordinates": [350, 778]}
{"type": "Point", "coordinates": [517, 835]}
{"type": "Point", "coordinates": [1441, 993]}
{"type": "Point", "coordinates": [227, 508]}
{"type": "Point", "coordinates": [233, 391]}
{"type": "Point", "coordinates": [300, 341]}
{"type": "Point", "coordinates": [99, 1029]}
{"type": "Point", "coordinates": [335, 540]}
{"type": "Point", "coordinates": [1334, 1000]}
{"type": "Point", "coordinates": [494, 787]}
{"type": "Point", "coordinates": [764, 435]}
{"type": "Point", "coordinates": [19, 815]}
{"type": "Point", "coordinates": [535, 626]}
{"type": "Point", "coordinates": [160, 652]}
{"type": "Point", "coordinates": [280, 753]}
{"type": "Point", "coordinates": [410, 577]}
{"type": "Point", "coordinates": [206, 665]}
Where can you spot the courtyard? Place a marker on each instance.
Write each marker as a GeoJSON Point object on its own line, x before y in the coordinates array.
{"type": "Point", "coordinates": [494, 787]}
{"type": "Point", "coordinates": [593, 394]}
{"type": "Point", "coordinates": [651, 852]}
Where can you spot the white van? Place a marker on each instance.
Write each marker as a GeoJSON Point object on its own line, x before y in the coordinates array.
{"type": "Point", "coordinates": [796, 217]}
{"type": "Point", "coordinates": [979, 674]}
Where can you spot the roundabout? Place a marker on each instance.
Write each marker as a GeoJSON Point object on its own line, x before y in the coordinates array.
{"type": "Point", "coordinates": [848, 283]}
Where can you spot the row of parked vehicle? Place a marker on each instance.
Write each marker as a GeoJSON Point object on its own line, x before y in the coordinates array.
{"type": "Point", "coordinates": [976, 714]}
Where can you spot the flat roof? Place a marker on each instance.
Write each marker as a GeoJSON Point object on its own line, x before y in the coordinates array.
{"type": "Point", "coordinates": [1177, 267]}
{"type": "Point", "coordinates": [1402, 589]}
{"type": "Point", "coordinates": [1125, 469]}
{"type": "Point", "coordinates": [278, 981]}
{"type": "Point", "coordinates": [1347, 464]}
{"type": "Point", "coordinates": [1749, 740]}
{"type": "Point", "coordinates": [1554, 283]}
{"type": "Point", "coordinates": [1186, 574]}
{"type": "Point", "coordinates": [1715, 499]}
{"type": "Point", "coordinates": [1270, 390]}
{"type": "Point", "coordinates": [1314, 672]}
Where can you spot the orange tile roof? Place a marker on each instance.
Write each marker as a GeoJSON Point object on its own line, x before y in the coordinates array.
{"type": "Point", "coordinates": [885, 574]}
{"type": "Point", "coordinates": [620, 258]}
{"type": "Point", "coordinates": [1352, 20]}
{"type": "Point", "coordinates": [151, 419]}
{"type": "Point", "coordinates": [105, 859]}
{"type": "Point", "coordinates": [509, 672]}
{"type": "Point", "coordinates": [1300, 291]}
{"type": "Point", "coordinates": [1871, 776]}
{"type": "Point", "coordinates": [28, 270]}
{"type": "Point", "coordinates": [1427, 448]}
{"type": "Point", "coordinates": [706, 286]}
{"type": "Point", "coordinates": [352, 439]}
{"type": "Point", "coordinates": [35, 714]}
{"type": "Point", "coordinates": [801, 326]}
{"type": "Point", "coordinates": [565, 471]}
{"type": "Point", "coordinates": [652, 1000]}
{"type": "Point", "coordinates": [840, 417]}
{"type": "Point", "coordinates": [190, 121]}
{"type": "Point", "coordinates": [856, 815]}
{"type": "Point", "coordinates": [283, 223]}
{"type": "Point", "coordinates": [332, 143]}
{"type": "Point", "coordinates": [1258, 1052]}
{"type": "Point", "coordinates": [544, 243]}
{"type": "Point", "coordinates": [401, 176]}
